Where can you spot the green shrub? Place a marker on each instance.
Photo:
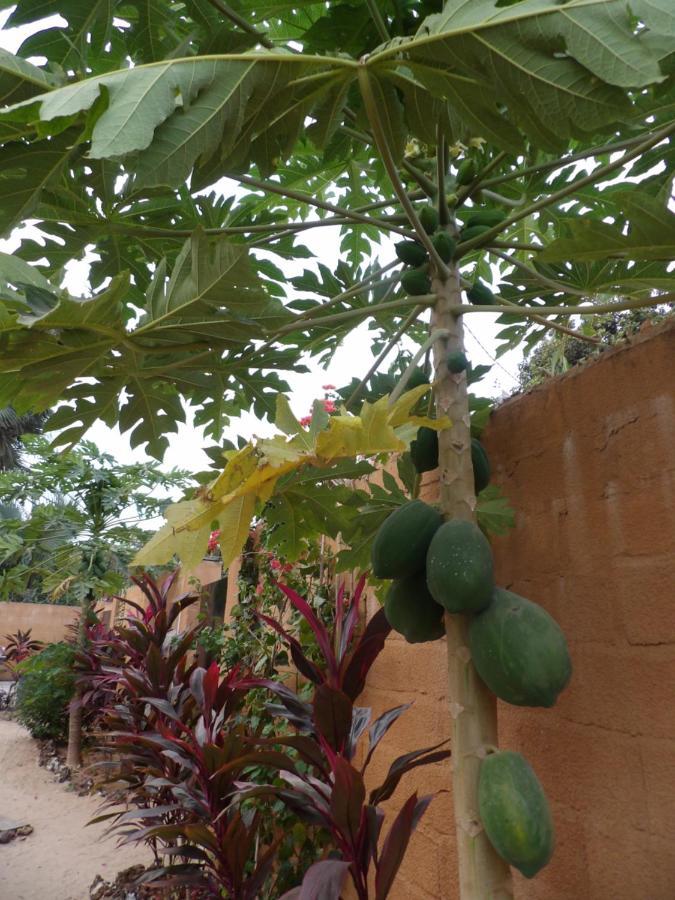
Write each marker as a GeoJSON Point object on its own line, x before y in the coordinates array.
{"type": "Point", "coordinates": [46, 685]}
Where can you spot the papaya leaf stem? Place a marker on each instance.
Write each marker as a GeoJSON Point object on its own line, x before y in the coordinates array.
{"type": "Point", "coordinates": [428, 186]}
{"type": "Point", "coordinates": [465, 192]}
{"type": "Point", "coordinates": [240, 22]}
{"type": "Point", "coordinates": [364, 312]}
{"type": "Point", "coordinates": [563, 161]}
{"type": "Point", "coordinates": [349, 214]}
{"type": "Point", "coordinates": [533, 273]}
{"type": "Point", "coordinates": [597, 310]}
{"type": "Point", "coordinates": [441, 171]}
{"type": "Point", "coordinates": [380, 24]}
{"type": "Point", "coordinates": [400, 331]}
{"type": "Point", "coordinates": [390, 166]}
{"type": "Point", "coordinates": [569, 189]}
{"type": "Point", "coordinates": [504, 201]}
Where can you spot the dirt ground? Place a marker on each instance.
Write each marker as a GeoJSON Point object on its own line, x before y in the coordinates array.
{"type": "Point", "coordinates": [62, 857]}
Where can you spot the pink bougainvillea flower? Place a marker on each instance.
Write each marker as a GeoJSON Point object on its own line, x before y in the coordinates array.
{"type": "Point", "coordinates": [328, 387]}
{"type": "Point", "coordinates": [305, 421]}
{"type": "Point", "coordinates": [275, 564]}
{"type": "Point", "coordinates": [329, 406]}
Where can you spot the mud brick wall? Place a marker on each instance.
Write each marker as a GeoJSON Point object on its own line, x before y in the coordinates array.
{"type": "Point", "coordinates": [588, 463]}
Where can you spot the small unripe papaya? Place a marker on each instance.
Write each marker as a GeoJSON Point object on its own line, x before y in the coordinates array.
{"type": "Point", "coordinates": [417, 378]}
{"type": "Point", "coordinates": [489, 217]}
{"type": "Point", "coordinates": [429, 218]}
{"type": "Point", "coordinates": [481, 295]}
{"type": "Point", "coordinates": [457, 362]}
{"type": "Point", "coordinates": [445, 245]}
{"type": "Point", "coordinates": [416, 283]}
{"type": "Point", "coordinates": [468, 234]}
{"type": "Point", "coordinates": [467, 171]}
{"type": "Point", "coordinates": [424, 450]}
{"type": "Point", "coordinates": [411, 253]}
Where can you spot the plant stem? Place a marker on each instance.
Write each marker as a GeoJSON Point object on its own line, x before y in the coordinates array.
{"type": "Point", "coordinates": [564, 161]}
{"type": "Point", "coordinates": [441, 171]}
{"type": "Point", "coordinates": [549, 282]}
{"type": "Point", "coordinates": [390, 166]}
{"type": "Point", "coordinates": [237, 20]}
{"type": "Point", "coordinates": [365, 312]}
{"type": "Point", "coordinates": [570, 188]}
{"type": "Point", "coordinates": [532, 312]}
{"type": "Point", "coordinates": [464, 192]}
{"type": "Point", "coordinates": [427, 185]}
{"type": "Point", "coordinates": [400, 331]}
{"type": "Point", "coordinates": [380, 24]}
{"type": "Point", "coordinates": [301, 197]}
{"type": "Point", "coordinates": [483, 875]}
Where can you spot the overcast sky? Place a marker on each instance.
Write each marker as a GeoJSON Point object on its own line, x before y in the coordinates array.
{"type": "Point", "coordinates": [353, 359]}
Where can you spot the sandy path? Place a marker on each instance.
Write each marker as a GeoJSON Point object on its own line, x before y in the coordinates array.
{"type": "Point", "coordinates": [61, 858]}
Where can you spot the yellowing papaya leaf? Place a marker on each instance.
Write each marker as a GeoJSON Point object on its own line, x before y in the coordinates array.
{"type": "Point", "coordinates": [234, 523]}
{"type": "Point", "coordinates": [251, 474]}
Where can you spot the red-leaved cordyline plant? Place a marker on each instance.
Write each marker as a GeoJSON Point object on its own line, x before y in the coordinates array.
{"type": "Point", "coordinates": [174, 730]}
{"type": "Point", "coordinates": [20, 646]}
{"type": "Point", "coordinates": [330, 790]}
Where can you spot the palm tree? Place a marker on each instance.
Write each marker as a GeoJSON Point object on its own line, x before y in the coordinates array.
{"type": "Point", "coordinates": [12, 426]}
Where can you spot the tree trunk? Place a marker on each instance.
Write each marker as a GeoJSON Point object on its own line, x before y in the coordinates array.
{"type": "Point", "coordinates": [483, 875]}
{"type": "Point", "coordinates": [74, 753]}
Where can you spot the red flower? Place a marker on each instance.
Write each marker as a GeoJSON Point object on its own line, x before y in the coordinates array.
{"type": "Point", "coordinates": [329, 406]}
{"type": "Point", "coordinates": [305, 421]}
{"type": "Point", "coordinates": [275, 564]}
{"type": "Point", "coordinates": [328, 387]}
{"type": "Point", "coordinates": [213, 540]}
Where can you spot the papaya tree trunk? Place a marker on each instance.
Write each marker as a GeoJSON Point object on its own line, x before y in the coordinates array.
{"type": "Point", "coordinates": [483, 875]}
{"type": "Point", "coordinates": [74, 752]}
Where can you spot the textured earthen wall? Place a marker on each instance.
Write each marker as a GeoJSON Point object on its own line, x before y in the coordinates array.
{"type": "Point", "coordinates": [47, 622]}
{"type": "Point", "coordinates": [588, 463]}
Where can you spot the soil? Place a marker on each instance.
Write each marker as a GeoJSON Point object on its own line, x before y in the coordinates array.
{"type": "Point", "coordinates": [62, 857]}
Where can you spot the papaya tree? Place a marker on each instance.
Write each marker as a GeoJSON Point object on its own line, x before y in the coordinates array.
{"type": "Point", "coordinates": [518, 151]}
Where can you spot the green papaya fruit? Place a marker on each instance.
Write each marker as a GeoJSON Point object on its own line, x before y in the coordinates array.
{"type": "Point", "coordinates": [481, 295]}
{"type": "Point", "coordinates": [411, 253]}
{"type": "Point", "coordinates": [467, 171]}
{"type": "Point", "coordinates": [457, 362]}
{"type": "Point", "coordinates": [402, 540]}
{"type": "Point", "coordinates": [416, 283]}
{"type": "Point", "coordinates": [520, 651]}
{"type": "Point", "coordinates": [514, 812]}
{"type": "Point", "coordinates": [481, 466]}
{"type": "Point", "coordinates": [417, 378]}
{"type": "Point", "coordinates": [412, 611]}
{"type": "Point", "coordinates": [468, 234]}
{"type": "Point", "coordinates": [429, 218]}
{"type": "Point", "coordinates": [460, 568]}
{"type": "Point", "coordinates": [445, 245]}
{"type": "Point", "coordinates": [424, 450]}
{"type": "Point", "coordinates": [485, 217]}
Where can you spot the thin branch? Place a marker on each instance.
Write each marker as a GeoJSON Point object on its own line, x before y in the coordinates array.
{"type": "Point", "coordinates": [301, 197]}
{"type": "Point", "coordinates": [570, 188]}
{"type": "Point", "coordinates": [564, 161]}
{"type": "Point", "coordinates": [393, 341]}
{"type": "Point", "coordinates": [514, 245]}
{"type": "Point", "coordinates": [464, 192]}
{"type": "Point", "coordinates": [503, 201]}
{"type": "Point", "coordinates": [380, 24]}
{"type": "Point", "coordinates": [549, 282]}
{"type": "Point", "coordinates": [436, 335]}
{"type": "Point", "coordinates": [390, 166]}
{"type": "Point", "coordinates": [237, 20]}
{"type": "Point", "coordinates": [532, 312]}
{"type": "Point", "coordinates": [364, 312]}
{"type": "Point", "coordinates": [428, 186]}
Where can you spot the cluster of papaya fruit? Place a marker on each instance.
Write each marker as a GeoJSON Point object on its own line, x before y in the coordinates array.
{"type": "Point", "coordinates": [416, 280]}
{"type": "Point", "coordinates": [518, 649]}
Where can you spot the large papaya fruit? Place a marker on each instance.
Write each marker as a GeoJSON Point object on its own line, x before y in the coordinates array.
{"type": "Point", "coordinates": [411, 253]}
{"type": "Point", "coordinates": [402, 540]}
{"type": "Point", "coordinates": [459, 567]}
{"type": "Point", "coordinates": [481, 295]}
{"type": "Point", "coordinates": [429, 218]}
{"type": "Point", "coordinates": [514, 811]}
{"type": "Point", "coordinates": [412, 611]}
{"type": "Point", "coordinates": [520, 651]}
{"type": "Point", "coordinates": [424, 450]}
{"type": "Point", "coordinates": [490, 217]}
{"type": "Point", "coordinates": [481, 466]}
{"type": "Point", "coordinates": [445, 245]}
{"type": "Point", "coordinates": [416, 283]}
